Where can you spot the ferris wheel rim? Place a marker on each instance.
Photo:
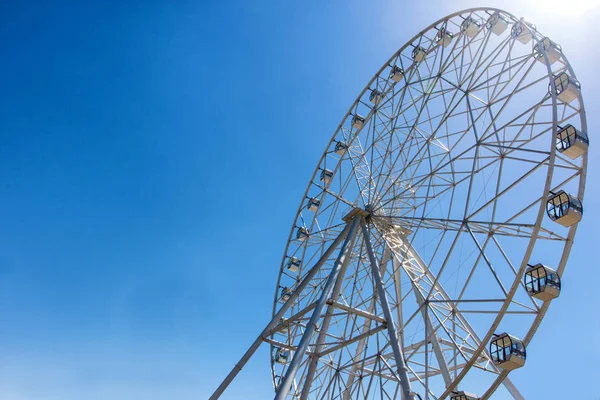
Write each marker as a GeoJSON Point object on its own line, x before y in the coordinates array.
{"type": "Point", "coordinates": [572, 231]}
{"type": "Point", "coordinates": [540, 217]}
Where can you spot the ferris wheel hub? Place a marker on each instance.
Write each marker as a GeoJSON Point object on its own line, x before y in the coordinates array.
{"type": "Point", "coordinates": [355, 212]}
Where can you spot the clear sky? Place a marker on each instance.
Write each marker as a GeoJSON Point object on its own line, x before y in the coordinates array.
{"type": "Point", "coordinates": [152, 157]}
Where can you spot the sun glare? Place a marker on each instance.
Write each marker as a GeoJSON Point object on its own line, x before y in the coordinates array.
{"type": "Point", "coordinates": [571, 7]}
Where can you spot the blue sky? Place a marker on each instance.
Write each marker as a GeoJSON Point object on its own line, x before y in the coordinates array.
{"type": "Point", "coordinates": [152, 157]}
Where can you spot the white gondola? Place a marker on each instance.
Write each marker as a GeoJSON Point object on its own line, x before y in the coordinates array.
{"type": "Point", "coordinates": [293, 264]}
{"type": "Point", "coordinates": [313, 204]}
{"type": "Point", "coordinates": [419, 54]}
{"type": "Point", "coordinates": [507, 351]}
{"type": "Point", "coordinates": [567, 88]}
{"type": "Point", "coordinates": [470, 27]}
{"type": "Point", "coordinates": [571, 142]}
{"type": "Point", "coordinates": [340, 148]}
{"type": "Point", "coordinates": [542, 282]}
{"type": "Point", "coordinates": [326, 176]}
{"type": "Point", "coordinates": [281, 356]}
{"type": "Point", "coordinates": [463, 396]}
{"type": "Point", "coordinates": [358, 121]}
{"type": "Point", "coordinates": [302, 234]}
{"type": "Point", "coordinates": [286, 293]}
{"type": "Point", "coordinates": [546, 46]}
{"type": "Point", "coordinates": [284, 328]}
{"type": "Point", "coordinates": [497, 24]}
{"type": "Point", "coordinates": [523, 31]}
{"type": "Point", "coordinates": [443, 37]}
{"type": "Point", "coordinates": [563, 208]}
{"type": "Point", "coordinates": [375, 97]}
{"type": "Point", "coordinates": [396, 74]}
{"type": "Point", "coordinates": [277, 381]}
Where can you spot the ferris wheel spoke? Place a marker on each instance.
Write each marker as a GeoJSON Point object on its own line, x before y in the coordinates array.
{"type": "Point", "coordinates": [362, 153]}
{"type": "Point", "coordinates": [492, 228]}
{"type": "Point", "coordinates": [536, 307]}
{"type": "Point", "coordinates": [421, 109]}
{"type": "Point", "coordinates": [458, 49]}
{"type": "Point", "coordinates": [383, 148]}
{"type": "Point", "coordinates": [460, 70]}
{"type": "Point", "coordinates": [495, 82]}
{"type": "Point", "coordinates": [487, 261]}
{"type": "Point", "coordinates": [521, 147]}
{"type": "Point", "coordinates": [440, 292]}
{"type": "Point", "coordinates": [497, 86]}
{"type": "Point", "coordinates": [442, 121]}
{"type": "Point", "coordinates": [360, 166]}
{"type": "Point", "coordinates": [389, 149]}
{"type": "Point", "coordinates": [483, 66]}
{"type": "Point", "coordinates": [498, 194]}
{"type": "Point", "coordinates": [475, 157]}
{"type": "Point", "coordinates": [542, 198]}
{"type": "Point", "coordinates": [531, 111]}
{"type": "Point", "coordinates": [519, 89]}
{"type": "Point", "coordinates": [438, 167]}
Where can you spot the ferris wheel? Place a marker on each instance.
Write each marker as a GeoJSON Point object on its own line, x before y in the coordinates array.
{"type": "Point", "coordinates": [436, 227]}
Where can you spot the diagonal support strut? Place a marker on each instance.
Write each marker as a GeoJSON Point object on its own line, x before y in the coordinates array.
{"type": "Point", "coordinates": [277, 317]}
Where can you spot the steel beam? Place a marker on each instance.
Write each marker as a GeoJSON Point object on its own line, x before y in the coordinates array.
{"type": "Point", "coordinates": [277, 317]}
{"type": "Point", "coordinates": [366, 328]}
{"type": "Point", "coordinates": [398, 353]}
{"type": "Point", "coordinates": [284, 387]}
{"type": "Point", "coordinates": [314, 358]}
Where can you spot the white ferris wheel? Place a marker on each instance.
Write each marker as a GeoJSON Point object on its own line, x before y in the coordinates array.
{"type": "Point", "coordinates": [436, 227]}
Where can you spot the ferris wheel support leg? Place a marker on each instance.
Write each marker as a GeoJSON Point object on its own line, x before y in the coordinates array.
{"type": "Point", "coordinates": [387, 312]}
{"type": "Point", "coordinates": [277, 317]}
{"type": "Point", "coordinates": [284, 387]}
{"type": "Point", "coordinates": [314, 358]}
{"type": "Point", "coordinates": [366, 328]}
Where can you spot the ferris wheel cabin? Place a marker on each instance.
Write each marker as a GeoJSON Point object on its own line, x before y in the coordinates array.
{"type": "Point", "coordinates": [284, 327]}
{"type": "Point", "coordinates": [326, 176]}
{"type": "Point", "coordinates": [523, 31]}
{"type": "Point", "coordinates": [567, 88]}
{"type": "Point", "coordinates": [564, 208]}
{"type": "Point", "coordinates": [313, 204]}
{"type": "Point", "coordinates": [375, 97]}
{"type": "Point", "coordinates": [548, 47]}
{"type": "Point", "coordinates": [419, 53]}
{"type": "Point", "coordinates": [358, 121]}
{"type": "Point", "coordinates": [396, 73]}
{"type": "Point", "coordinates": [542, 282]}
{"type": "Point", "coordinates": [497, 24]}
{"type": "Point", "coordinates": [507, 351]}
{"type": "Point", "coordinates": [340, 148]}
{"type": "Point", "coordinates": [286, 293]}
{"type": "Point", "coordinates": [443, 37]}
{"type": "Point", "coordinates": [470, 27]}
{"type": "Point", "coordinates": [571, 142]}
{"type": "Point", "coordinates": [463, 396]}
{"type": "Point", "coordinates": [293, 264]}
{"type": "Point", "coordinates": [302, 234]}
{"type": "Point", "coordinates": [281, 356]}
